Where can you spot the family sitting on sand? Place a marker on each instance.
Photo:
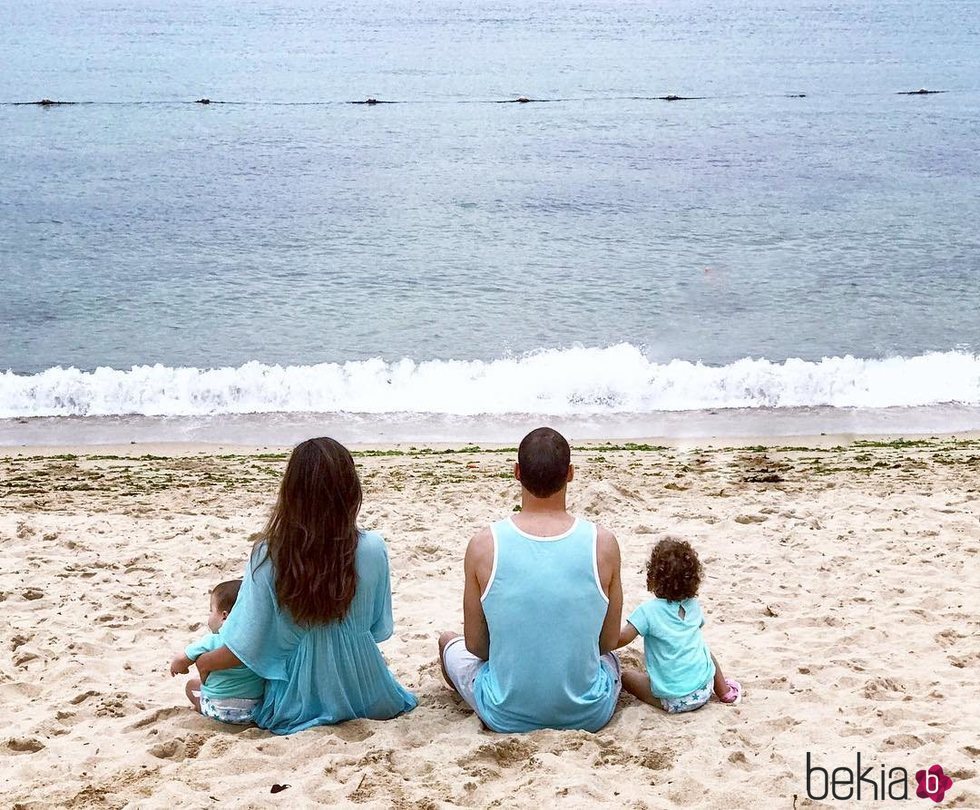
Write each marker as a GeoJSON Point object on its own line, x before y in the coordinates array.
{"type": "Point", "coordinates": [294, 643]}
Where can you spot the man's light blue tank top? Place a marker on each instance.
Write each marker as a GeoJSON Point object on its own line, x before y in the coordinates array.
{"type": "Point", "coordinates": [545, 608]}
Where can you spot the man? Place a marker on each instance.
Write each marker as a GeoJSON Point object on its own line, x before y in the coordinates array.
{"type": "Point", "coordinates": [542, 604]}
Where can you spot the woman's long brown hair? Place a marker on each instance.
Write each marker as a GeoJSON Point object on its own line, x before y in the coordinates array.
{"type": "Point", "coordinates": [312, 533]}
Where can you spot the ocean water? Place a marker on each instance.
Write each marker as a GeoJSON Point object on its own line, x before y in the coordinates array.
{"type": "Point", "coordinates": [603, 256]}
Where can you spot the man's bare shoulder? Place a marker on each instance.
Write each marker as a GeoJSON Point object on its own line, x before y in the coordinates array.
{"type": "Point", "coordinates": [607, 547]}
{"type": "Point", "coordinates": [480, 547]}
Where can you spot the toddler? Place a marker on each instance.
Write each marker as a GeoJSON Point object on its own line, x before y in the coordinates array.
{"type": "Point", "coordinates": [230, 695]}
{"type": "Point", "coordinates": [681, 671]}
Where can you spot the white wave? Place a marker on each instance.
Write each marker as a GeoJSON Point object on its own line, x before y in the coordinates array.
{"type": "Point", "coordinates": [577, 381]}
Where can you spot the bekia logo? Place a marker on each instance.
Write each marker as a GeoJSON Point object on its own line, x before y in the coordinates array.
{"type": "Point", "coordinates": [871, 782]}
{"type": "Point", "coordinates": [933, 783]}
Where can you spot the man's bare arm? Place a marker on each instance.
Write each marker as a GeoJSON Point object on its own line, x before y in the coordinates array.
{"type": "Point", "coordinates": [608, 559]}
{"type": "Point", "coordinates": [477, 565]}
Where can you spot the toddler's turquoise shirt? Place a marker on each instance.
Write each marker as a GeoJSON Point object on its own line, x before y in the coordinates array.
{"type": "Point", "coordinates": [237, 682]}
{"type": "Point", "coordinates": [678, 661]}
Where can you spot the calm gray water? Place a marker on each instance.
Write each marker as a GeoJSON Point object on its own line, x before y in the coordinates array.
{"type": "Point", "coordinates": [288, 227]}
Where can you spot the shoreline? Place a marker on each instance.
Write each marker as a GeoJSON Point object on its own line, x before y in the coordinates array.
{"type": "Point", "coordinates": [754, 426]}
{"type": "Point", "coordinates": [823, 441]}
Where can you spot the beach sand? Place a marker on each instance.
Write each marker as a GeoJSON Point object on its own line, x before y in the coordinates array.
{"type": "Point", "coordinates": [842, 589]}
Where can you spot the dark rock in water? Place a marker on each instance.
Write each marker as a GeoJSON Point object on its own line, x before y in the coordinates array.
{"type": "Point", "coordinates": [920, 92]}
{"type": "Point", "coordinates": [203, 101]}
{"type": "Point", "coordinates": [673, 97]}
{"type": "Point", "coordinates": [796, 95]}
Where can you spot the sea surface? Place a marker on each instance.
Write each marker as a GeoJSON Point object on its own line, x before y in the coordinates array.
{"type": "Point", "coordinates": [795, 241]}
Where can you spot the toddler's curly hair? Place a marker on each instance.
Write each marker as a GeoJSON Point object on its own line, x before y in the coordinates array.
{"type": "Point", "coordinates": [674, 571]}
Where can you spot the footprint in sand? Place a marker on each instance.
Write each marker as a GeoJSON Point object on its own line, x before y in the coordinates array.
{"type": "Point", "coordinates": [947, 638]}
{"type": "Point", "coordinates": [24, 745]}
{"type": "Point", "coordinates": [657, 760]}
{"type": "Point", "coordinates": [730, 737]}
{"type": "Point", "coordinates": [156, 716]}
{"type": "Point", "coordinates": [738, 759]}
{"type": "Point", "coordinates": [427, 551]}
{"type": "Point", "coordinates": [629, 494]}
{"type": "Point", "coordinates": [963, 661]}
{"type": "Point", "coordinates": [19, 640]}
{"type": "Point", "coordinates": [371, 787]}
{"type": "Point", "coordinates": [218, 745]}
{"type": "Point", "coordinates": [112, 706]}
{"type": "Point", "coordinates": [178, 748]}
{"type": "Point", "coordinates": [783, 723]}
{"type": "Point", "coordinates": [354, 731]}
{"type": "Point", "coordinates": [883, 689]}
{"type": "Point", "coordinates": [904, 741]}
{"type": "Point", "coordinates": [24, 657]}
{"type": "Point", "coordinates": [505, 753]}
{"type": "Point", "coordinates": [611, 753]}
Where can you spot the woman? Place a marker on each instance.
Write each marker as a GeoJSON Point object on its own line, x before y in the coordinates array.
{"type": "Point", "coordinates": [315, 601]}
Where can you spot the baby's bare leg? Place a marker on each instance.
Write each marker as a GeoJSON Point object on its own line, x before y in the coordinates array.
{"type": "Point", "coordinates": [720, 687]}
{"type": "Point", "coordinates": [726, 690]}
{"type": "Point", "coordinates": [638, 684]}
{"type": "Point", "coordinates": [193, 685]}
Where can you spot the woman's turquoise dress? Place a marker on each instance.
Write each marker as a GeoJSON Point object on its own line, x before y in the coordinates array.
{"type": "Point", "coordinates": [325, 673]}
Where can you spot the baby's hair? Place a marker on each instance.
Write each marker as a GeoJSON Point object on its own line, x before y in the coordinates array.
{"type": "Point", "coordinates": [225, 594]}
{"type": "Point", "coordinates": [674, 570]}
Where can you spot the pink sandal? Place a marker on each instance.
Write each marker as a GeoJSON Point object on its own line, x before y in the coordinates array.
{"type": "Point", "coordinates": [734, 694]}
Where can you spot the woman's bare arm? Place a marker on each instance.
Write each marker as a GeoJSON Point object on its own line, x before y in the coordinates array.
{"type": "Point", "coordinates": [221, 658]}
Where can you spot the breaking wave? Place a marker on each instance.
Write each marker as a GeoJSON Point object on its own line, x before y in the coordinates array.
{"type": "Point", "coordinates": [561, 382]}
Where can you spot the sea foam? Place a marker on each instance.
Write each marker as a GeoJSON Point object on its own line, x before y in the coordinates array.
{"type": "Point", "coordinates": [562, 382]}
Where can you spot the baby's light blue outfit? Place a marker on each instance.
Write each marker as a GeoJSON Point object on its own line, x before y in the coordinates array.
{"type": "Point", "coordinates": [678, 661]}
{"type": "Point", "coordinates": [553, 678]}
{"type": "Point", "coordinates": [325, 673]}
{"type": "Point", "coordinates": [237, 682]}
{"type": "Point", "coordinates": [230, 695]}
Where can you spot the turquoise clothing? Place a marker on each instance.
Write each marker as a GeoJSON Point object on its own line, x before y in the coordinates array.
{"type": "Point", "coordinates": [545, 608]}
{"type": "Point", "coordinates": [325, 673]}
{"type": "Point", "coordinates": [678, 661]}
{"type": "Point", "coordinates": [237, 682]}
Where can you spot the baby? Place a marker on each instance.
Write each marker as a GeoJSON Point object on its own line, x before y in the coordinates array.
{"type": "Point", "coordinates": [230, 695]}
{"type": "Point", "coordinates": [681, 671]}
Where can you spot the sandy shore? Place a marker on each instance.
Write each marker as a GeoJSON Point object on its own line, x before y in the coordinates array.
{"type": "Point", "coordinates": [843, 590]}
